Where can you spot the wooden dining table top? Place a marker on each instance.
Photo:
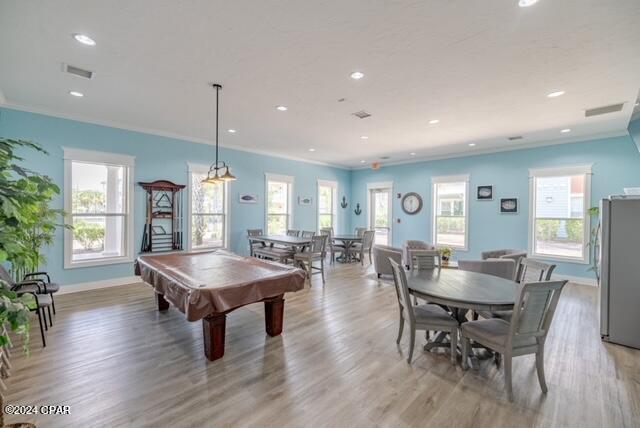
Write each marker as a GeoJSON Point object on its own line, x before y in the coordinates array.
{"type": "Point", "coordinates": [463, 289]}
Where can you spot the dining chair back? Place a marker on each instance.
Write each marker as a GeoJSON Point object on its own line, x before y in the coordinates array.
{"type": "Point", "coordinates": [534, 310]}
{"type": "Point", "coordinates": [254, 232]}
{"type": "Point", "coordinates": [402, 292]}
{"type": "Point", "coordinates": [366, 245]}
{"type": "Point", "coordinates": [360, 231]}
{"type": "Point", "coordinates": [252, 243]}
{"type": "Point", "coordinates": [307, 234]}
{"type": "Point", "coordinates": [327, 231]}
{"type": "Point", "coordinates": [429, 259]}
{"type": "Point", "coordinates": [291, 232]}
{"type": "Point", "coordinates": [530, 270]}
{"type": "Point", "coordinates": [315, 253]}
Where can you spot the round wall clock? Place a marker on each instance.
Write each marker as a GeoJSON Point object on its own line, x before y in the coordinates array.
{"type": "Point", "coordinates": [411, 203]}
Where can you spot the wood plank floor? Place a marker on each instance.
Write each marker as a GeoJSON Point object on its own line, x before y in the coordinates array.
{"type": "Point", "coordinates": [118, 362]}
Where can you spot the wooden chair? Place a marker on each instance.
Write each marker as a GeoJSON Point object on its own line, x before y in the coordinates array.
{"type": "Point", "coordinates": [426, 317]}
{"type": "Point", "coordinates": [524, 335]}
{"type": "Point", "coordinates": [307, 234]}
{"type": "Point", "coordinates": [253, 244]}
{"type": "Point", "coordinates": [528, 271]}
{"type": "Point", "coordinates": [315, 253]}
{"type": "Point", "coordinates": [365, 247]}
{"type": "Point", "coordinates": [291, 232]}
{"type": "Point", "coordinates": [415, 250]}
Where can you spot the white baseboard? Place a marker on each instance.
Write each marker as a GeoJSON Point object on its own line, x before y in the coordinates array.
{"type": "Point", "coordinates": [576, 279]}
{"type": "Point", "coordinates": [95, 285]}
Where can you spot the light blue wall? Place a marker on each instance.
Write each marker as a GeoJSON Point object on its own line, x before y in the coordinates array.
{"type": "Point", "coordinates": [165, 158]}
{"type": "Point", "coordinates": [616, 164]}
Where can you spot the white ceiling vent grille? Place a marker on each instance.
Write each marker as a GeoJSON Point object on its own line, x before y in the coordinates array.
{"type": "Point", "coordinates": [361, 114]}
{"type": "Point", "coordinates": [77, 71]}
{"type": "Point", "coordinates": [603, 110]}
{"type": "Point", "coordinates": [516, 137]}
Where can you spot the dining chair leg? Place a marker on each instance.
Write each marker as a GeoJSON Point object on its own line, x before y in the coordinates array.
{"type": "Point", "coordinates": [50, 317]}
{"type": "Point", "coordinates": [322, 270]}
{"type": "Point", "coordinates": [454, 345]}
{"type": "Point", "coordinates": [44, 343]}
{"type": "Point", "coordinates": [507, 376]}
{"type": "Point", "coordinates": [53, 303]}
{"type": "Point", "coordinates": [465, 353]}
{"type": "Point", "coordinates": [44, 319]}
{"type": "Point", "coordinates": [412, 340]}
{"type": "Point", "coordinates": [400, 329]}
{"type": "Point", "coordinates": [540, 368]}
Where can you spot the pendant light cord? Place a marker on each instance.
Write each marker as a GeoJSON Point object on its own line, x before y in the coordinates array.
{"type": "Point", "coordinates": [217, 119]}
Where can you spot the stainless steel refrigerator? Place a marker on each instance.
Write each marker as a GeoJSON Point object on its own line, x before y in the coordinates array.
{"type": "Point", "coordinates": [620, 270]}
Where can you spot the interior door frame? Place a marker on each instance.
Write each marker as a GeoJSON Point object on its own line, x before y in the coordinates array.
{"type": "Point", "coordinates": [383, 185]}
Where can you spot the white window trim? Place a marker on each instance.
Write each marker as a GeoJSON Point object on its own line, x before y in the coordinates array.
{"type": "Point", "coordinates": [89, 156]}
{"type": "Point", "coordinates": [381, 185]}
{"type": "Point", "coordinates": [283, 179]}
{"type": "Point", "coordinates": [196, 168]}
{"type": "Point", "coordinates": [434, 206]}
{"type": "Point", "coordinates": [559, 172]}
{"type": "Point", "coordinates": [334, 203]}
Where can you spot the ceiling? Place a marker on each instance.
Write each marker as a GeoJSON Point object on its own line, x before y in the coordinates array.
{"type": "Point", "coordinates": [483, 68]}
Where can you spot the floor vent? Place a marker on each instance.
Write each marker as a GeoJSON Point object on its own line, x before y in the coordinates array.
{"type": "Point", "coordinates": [361, 114]}
{"type": "Point", "coordinates": [77, 71]}
{"type": "Point", "coordinates": [603, 110]}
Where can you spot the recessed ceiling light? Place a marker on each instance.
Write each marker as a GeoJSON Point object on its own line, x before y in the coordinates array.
{"type": "Point", "coordinates": [434, 121]}
{"type": "Point", "coordinates": [76, 94]}
{"type": "Point", "coordinates": [364, 137]}
{"type": "Point", "coordinates": [412, 153]}
{"type": "Point", "coordinates": [472, 144]}
{"type": "Point", "coordinates": [312, 150]}
{"type": "Point", "coordinates": [555, 94]}
{"type": "Point", "coordinates": [637, 104]}
{"type": "Point", "coordinates": [84, 39]}
{"type": "Point", "coordinates": [231, 131]}
{"type": "Point", "coordinates": [357, 75]}
{"type": "Point", "coordinates": [281, 108]}
{"type": "Point", "coordinates": [363, 161]}
{"type": "Point", "coordinates": [527, 3]}
{"type": "Point", "coordinates": [564, 131]}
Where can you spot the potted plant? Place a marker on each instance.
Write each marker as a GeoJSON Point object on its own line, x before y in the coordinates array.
{"type": "Point", "coordinates": [446, 253]}
{"type": "Point", "coordinates": [14, 315]}
{"type": "Point", "coordinates": [594, 242]}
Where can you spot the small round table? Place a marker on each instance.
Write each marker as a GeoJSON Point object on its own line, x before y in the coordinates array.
{"type": "Point", "coordinates": [348, 241]}
{"type": "Point", "coordinates": [461, 291]}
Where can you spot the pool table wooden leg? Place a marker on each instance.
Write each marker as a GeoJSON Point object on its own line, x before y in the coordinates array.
{"type": "Point", "coordinates": [163, 305]}
{"type": "Point", "coordinates": [213, 328]}
{"type": "Point", "coordinates": [274, 315]}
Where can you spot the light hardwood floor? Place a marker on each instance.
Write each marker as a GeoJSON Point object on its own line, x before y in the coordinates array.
{"type": "Point", "coordinates": [118, 362]}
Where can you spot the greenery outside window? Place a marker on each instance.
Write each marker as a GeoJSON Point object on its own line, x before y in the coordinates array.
{"type": "Point", "coordinates": [279, 206]}
{"type": "Point", "coordinates": [327, 204]}
{"type": "Point", "coordinates": [208, 211]}
{"type": "Point", "coordinates": [450, 212]}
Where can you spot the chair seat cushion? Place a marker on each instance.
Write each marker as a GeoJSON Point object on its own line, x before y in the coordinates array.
{"type": "Point", "coordinates": [52, 287]}
{"type": "Point", "coordinates": [430, 313]}
{"type": "Point", "coordinates": [493, 333]}
{"type": "Point", "coordinates": [503, 315]}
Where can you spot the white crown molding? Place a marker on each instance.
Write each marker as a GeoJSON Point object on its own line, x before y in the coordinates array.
{"type": "Point", "coordinates": [95, 285]}
{"type": "Point", "coordinates": [531, 145]}
{"type": "Point", "coordinates": [3, 100]}
{"type": "Point", "coordinates": [148, 131]}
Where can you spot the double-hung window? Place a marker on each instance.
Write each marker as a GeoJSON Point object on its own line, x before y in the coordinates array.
{"type": "Point", "coordinates": [208, 203]}
{"type": "Point", "coordinates": [450, 211]}
{"type": "Point", "coordinates": [327, 202]}
{"type": "Point", "coordinates": [279, 206]}
{"type": "Point", "coordinates": [559, 224]}
{"type": "Point", "coordinates": [98, 195]}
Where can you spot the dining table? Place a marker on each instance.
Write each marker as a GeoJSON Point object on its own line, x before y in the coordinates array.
{"type": "Point", "coordinates": [348, 241]}
{"type": "Point", "coordinates": [460, 292]}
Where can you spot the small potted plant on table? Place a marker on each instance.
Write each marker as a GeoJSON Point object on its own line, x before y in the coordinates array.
{"type": "Point", "coordinates": [445, 253]}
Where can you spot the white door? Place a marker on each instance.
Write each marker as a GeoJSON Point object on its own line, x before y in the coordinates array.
{"type": "Point", "coordinates": [380, 212]}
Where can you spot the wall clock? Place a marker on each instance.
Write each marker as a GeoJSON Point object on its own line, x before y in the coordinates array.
{"type": "Point", "coordinates": [411, 203]}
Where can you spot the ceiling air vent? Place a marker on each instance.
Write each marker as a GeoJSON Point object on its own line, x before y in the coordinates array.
{"type": "Point", "coordinates": [77, 71]}
{"type": "Point", "coordinates": [361, 114]}
{"type": "Point", "coordinates": [516, 137]}
{"type": "Point", "coordinates": [603, 110]}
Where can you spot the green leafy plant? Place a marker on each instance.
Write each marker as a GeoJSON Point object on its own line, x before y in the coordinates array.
{"type": "Point", "coordinates": [27, 223]}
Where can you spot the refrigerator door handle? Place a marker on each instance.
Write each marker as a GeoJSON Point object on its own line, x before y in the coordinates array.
{"type": "Point", "coordinates": [605, 221]}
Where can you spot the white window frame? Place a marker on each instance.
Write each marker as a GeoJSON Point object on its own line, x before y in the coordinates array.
{"type": "Point", "coordinates": [382, 185]}
{"type": "Point", "coordinates": [534, 173]}
{"type": "Point", "coordinates": [194, 168]}
{"type": "Point", "coordinates": [434, 208]}
{"type": "Point", "coordinates": [101, 158]}
{"type": "Point", "coordinates": [280, 179]}
{"type": "Point", "coordinates": [334, 203]}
